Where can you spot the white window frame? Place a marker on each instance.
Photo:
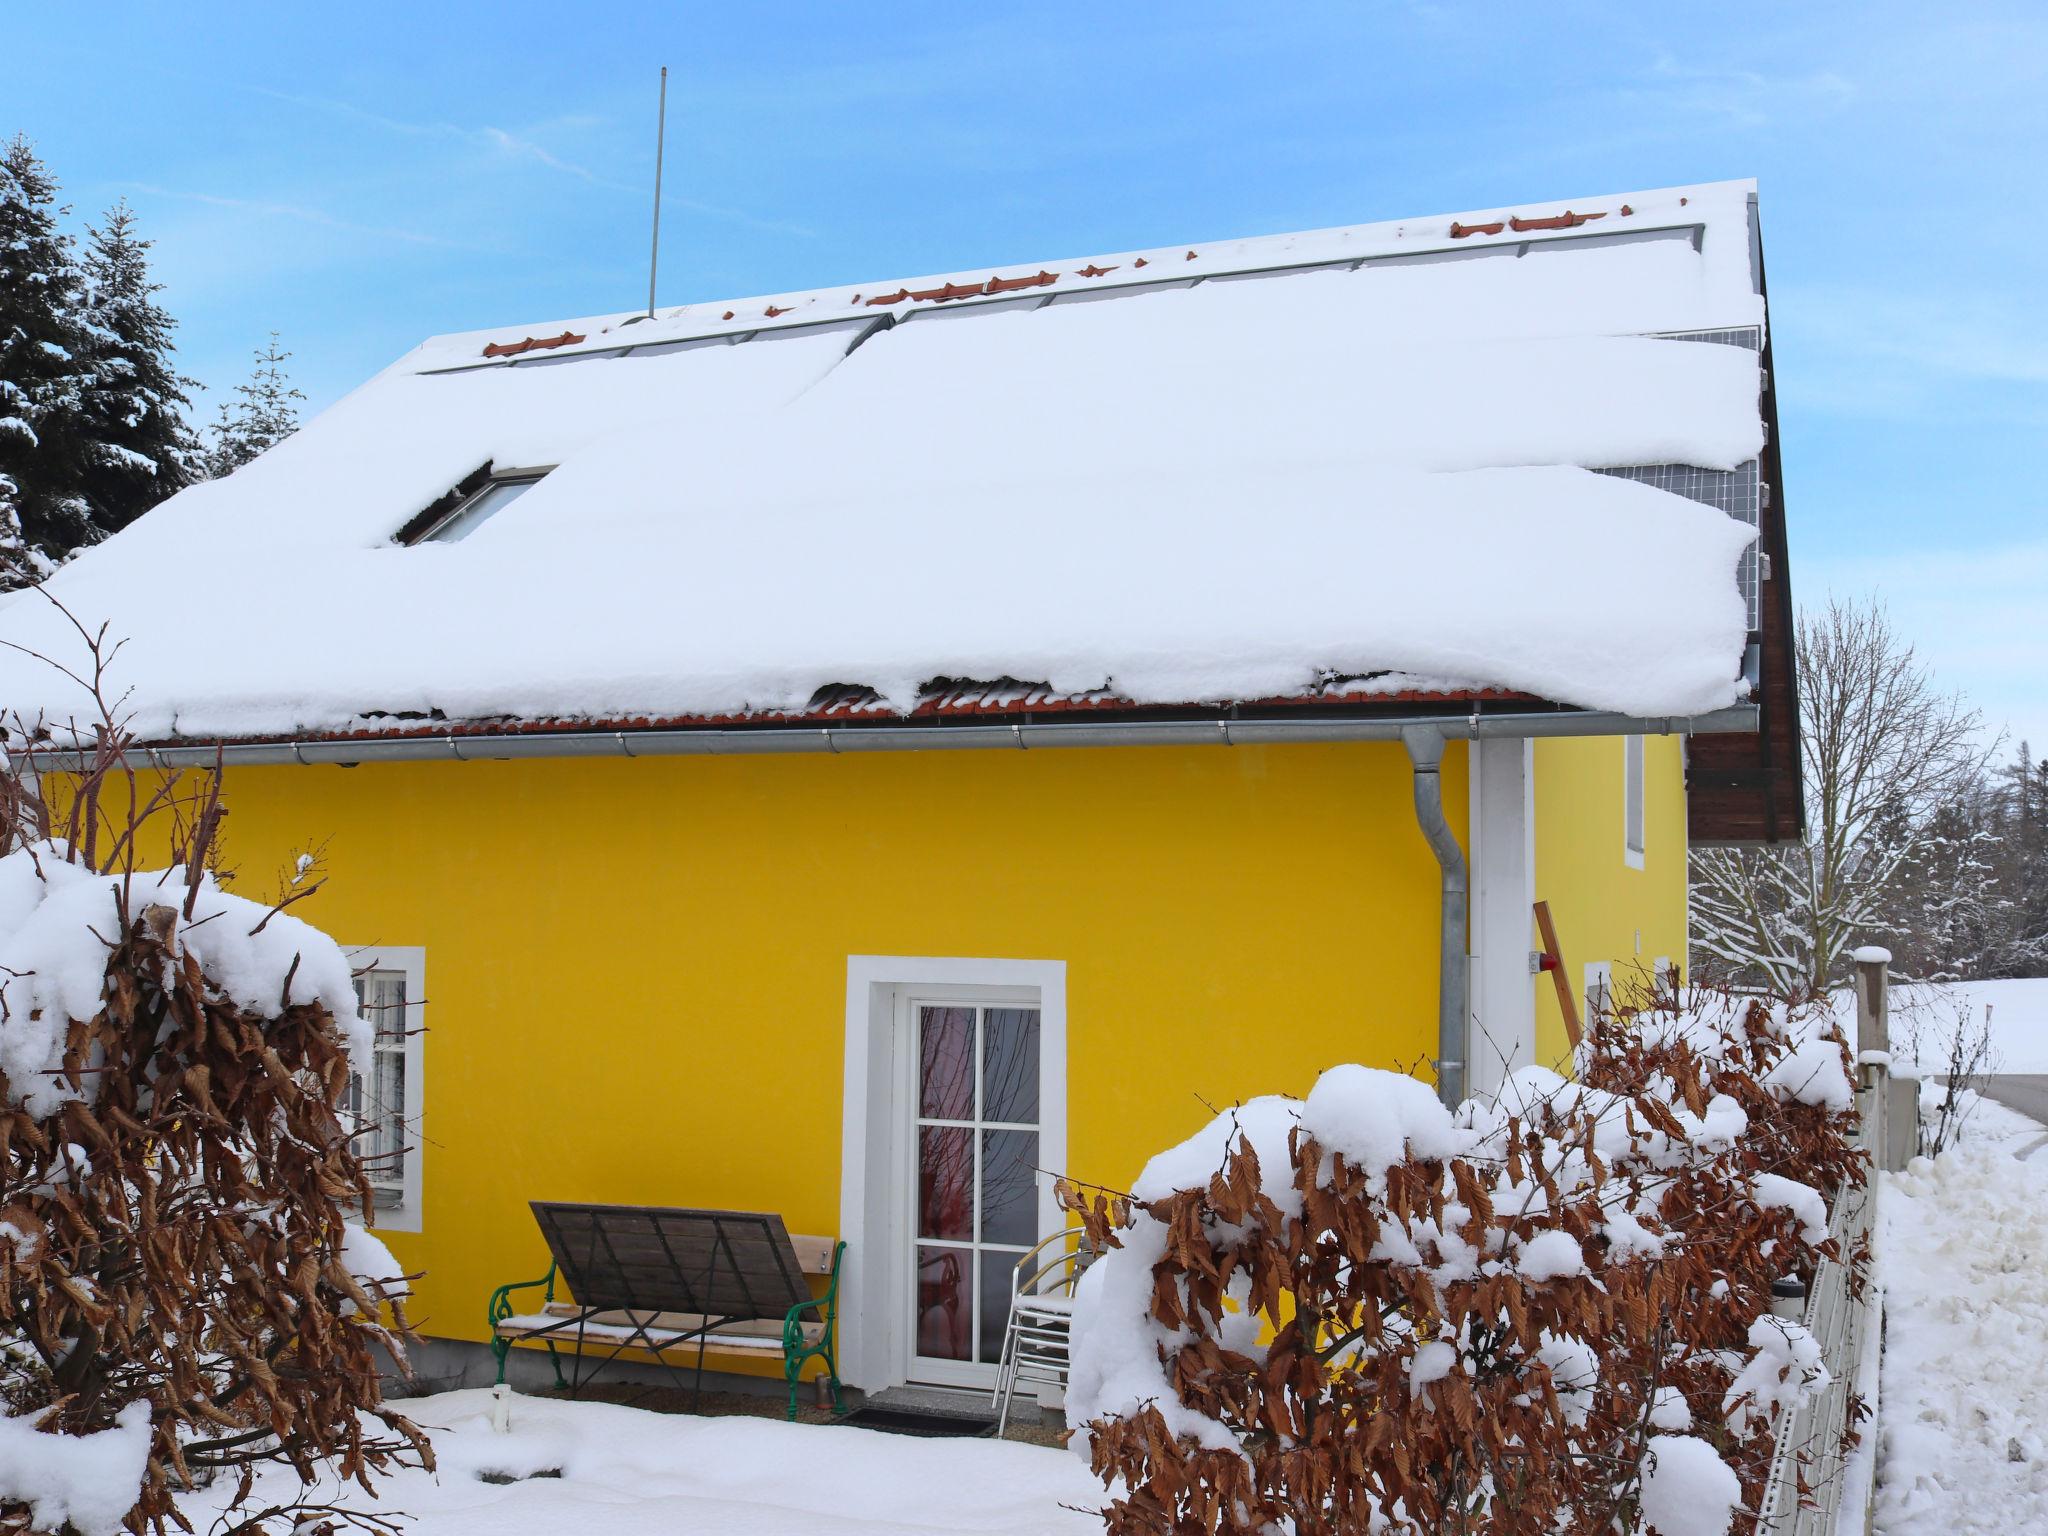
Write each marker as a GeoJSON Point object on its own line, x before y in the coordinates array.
{"type": "Point", "coordinates": [875, 1346]}
{"type": "Point", "coordinates": [1634, 798]}
{"type": "Point", "coordinates": [1599, 993]}
{"type": "Point", "coordinates": [410, 960]}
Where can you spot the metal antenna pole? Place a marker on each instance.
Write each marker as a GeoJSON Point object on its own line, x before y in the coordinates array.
{"type": "Point", "coordinates": [660, 133]}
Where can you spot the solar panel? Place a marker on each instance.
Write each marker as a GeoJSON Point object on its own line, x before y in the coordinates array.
{"type": "Point", "coordinates": [1737, 492]}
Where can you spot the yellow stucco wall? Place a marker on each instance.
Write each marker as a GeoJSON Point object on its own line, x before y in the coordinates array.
{"type": "Point", "coordinates": [1604, 910]}
{"type": "Point", "coordinates": [636, 970]}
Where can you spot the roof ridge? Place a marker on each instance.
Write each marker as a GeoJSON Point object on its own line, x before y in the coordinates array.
{"type": "Point", "coordinates": [1473, 229]}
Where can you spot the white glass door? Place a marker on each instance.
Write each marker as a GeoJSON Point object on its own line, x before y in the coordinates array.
{"type": "Point", "coordinates": [974, 1184]}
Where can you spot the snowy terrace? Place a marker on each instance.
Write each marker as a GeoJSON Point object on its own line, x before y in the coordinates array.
{"type": "Point", "coordinates": [1356, 463]}
{"type": "Point", "coordinates": [623, 1471]}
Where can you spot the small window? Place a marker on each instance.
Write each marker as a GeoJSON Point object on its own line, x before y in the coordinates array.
{"type": "Point", "coordinates": [384, 1093]}
{"type": "Point", "coordinates": [478, 508]}
{"type": "Point", "coordinates": [1632, 801]}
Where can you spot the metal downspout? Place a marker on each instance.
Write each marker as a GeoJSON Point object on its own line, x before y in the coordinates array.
{"type": "Point", "coordinates": [1425, 746]}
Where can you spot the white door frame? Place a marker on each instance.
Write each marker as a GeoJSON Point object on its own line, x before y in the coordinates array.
{"type": "Point", "coordinates": [1501, 1031]}
{"type": "Point", "coordinates": [874, 1336]}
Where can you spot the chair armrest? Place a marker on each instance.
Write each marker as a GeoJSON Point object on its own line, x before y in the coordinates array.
{"type": "Point", "coordinates": [500, 1305]}
{"type": "Point", "coordinates": [826, 1306]}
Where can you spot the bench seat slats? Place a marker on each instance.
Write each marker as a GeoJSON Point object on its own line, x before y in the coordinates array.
{"type": "Point", "coordinates": [666, 1329]}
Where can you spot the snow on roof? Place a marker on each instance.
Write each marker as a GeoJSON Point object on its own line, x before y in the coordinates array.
{"type": "Point", "coordinates": [1259, 465]}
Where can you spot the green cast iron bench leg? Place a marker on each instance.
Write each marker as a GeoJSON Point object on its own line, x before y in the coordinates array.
{"type": "Point", "coordinates": [795, 1351]}
{"type": "Point", "coordinates": [500, 1307]}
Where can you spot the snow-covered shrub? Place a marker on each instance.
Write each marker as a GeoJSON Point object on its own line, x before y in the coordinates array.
{"type": "Point", "coordinates": [184, 1286]}
{"type": "Point", "coordinates": [1361, 1311]}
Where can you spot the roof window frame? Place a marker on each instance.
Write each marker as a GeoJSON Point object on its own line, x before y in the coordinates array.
{"type": "Point", "coordinates": [426, 526]}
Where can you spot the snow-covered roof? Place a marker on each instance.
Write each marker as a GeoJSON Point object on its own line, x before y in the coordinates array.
{"type": "Point", "coordinates": [1200, 474]}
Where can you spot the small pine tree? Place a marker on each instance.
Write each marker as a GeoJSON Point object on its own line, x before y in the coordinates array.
{"type": "Point", "coordinates": [138, 448]}
{"type": "Point", "coordinates": [41, 380]}
{"type": "Point", "coordinates": [265, 414]}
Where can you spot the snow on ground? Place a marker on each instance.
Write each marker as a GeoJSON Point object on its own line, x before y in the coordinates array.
{"type": "Point", "coordinates": [1924, 1017]}
{"type": "Point", "coordinates": [625, 1472]}
{"type": "Point", "coordinates": [2018, 1019]}
{"type": "Point", "coordinates": [1963, 1256]}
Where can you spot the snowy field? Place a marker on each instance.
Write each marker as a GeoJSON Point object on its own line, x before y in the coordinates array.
{"type": "Point", "coordinates": [1963, 1251]}
{"type": "Point", "coordinates": [1926, 1013]}
{"type": "Point", "coordinates": [625, 1472]}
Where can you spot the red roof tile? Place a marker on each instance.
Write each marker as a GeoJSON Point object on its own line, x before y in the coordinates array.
{"type": "Point", "coordinates": [532, 343]}
{"type": "Point", "coordinates": [1012, 284]}
{"type": "Point", "coordinates": [950, 291]}
{"type": "Point", "coordinates": [1565, 220]}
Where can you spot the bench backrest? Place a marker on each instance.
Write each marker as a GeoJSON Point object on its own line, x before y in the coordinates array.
{"type": "Point", "coordinates": [641, 1258]}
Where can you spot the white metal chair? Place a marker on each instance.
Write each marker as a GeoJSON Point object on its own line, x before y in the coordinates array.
{"type": "Point", "coordinates": [1035, 1344]}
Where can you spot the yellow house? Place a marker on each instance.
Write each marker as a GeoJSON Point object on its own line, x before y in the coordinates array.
{"type": "Point", "coordinates": [857, 753]}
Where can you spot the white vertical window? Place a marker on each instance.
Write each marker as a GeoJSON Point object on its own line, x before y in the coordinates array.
{"type": "Point", "coordinates": [384, 1092]}
{"type": "Point", "coordinates": [1632, 801]}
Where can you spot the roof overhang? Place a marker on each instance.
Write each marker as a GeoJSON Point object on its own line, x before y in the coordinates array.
{"type": "Point", "coordinates": [1748, 789]}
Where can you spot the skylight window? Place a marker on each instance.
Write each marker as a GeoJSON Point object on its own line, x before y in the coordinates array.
{"type": "Point", "coordinates": [471, 505]}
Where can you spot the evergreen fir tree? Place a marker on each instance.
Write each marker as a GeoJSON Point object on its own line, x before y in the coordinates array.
{"type": "Point", "coordinates": [42, 460]}
{"type": "Point", "coordinates": [265, 414]}
{"type": "Point", "coordinates": [138, 448]}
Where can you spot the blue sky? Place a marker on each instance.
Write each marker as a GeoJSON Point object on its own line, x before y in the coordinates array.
{"type": "Point", "coordinates": [362, 177]}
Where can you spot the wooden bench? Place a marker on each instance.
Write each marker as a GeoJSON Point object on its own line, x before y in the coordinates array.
{"type": "Point", "coordinates": [665, 1281]}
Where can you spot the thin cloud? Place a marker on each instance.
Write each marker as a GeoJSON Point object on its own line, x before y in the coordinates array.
{"type": "Point", "coordinates": [512, 144]}
{"type": "Point", "coordinates": [519, 146]}
{"type": "Point", "coordinates": [295, 211]}
{"type": "Point", "coordinates": [1741, 95]}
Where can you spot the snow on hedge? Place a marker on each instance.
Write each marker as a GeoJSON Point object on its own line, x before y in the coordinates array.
{"type": "Point", "coordinates": [1222, 492]}
{"type": "Point", "coordinates": [1525, 1174]}
{"type": "Point", "coordinates": [59, 923]}
{"type": "Point", "coordinates": [85, 1483]}
{"type": "Point", "coordinates": [57, 918]}
{"type": "Point", "coordinates": [1688, 1490]}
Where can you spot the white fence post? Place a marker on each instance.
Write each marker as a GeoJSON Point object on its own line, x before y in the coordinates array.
{"type": "Point", "coordinates": [1893, 1136]}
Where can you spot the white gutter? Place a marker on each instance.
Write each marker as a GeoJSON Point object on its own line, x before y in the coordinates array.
{"type": "Point", "coordinates": [1021, 734]}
